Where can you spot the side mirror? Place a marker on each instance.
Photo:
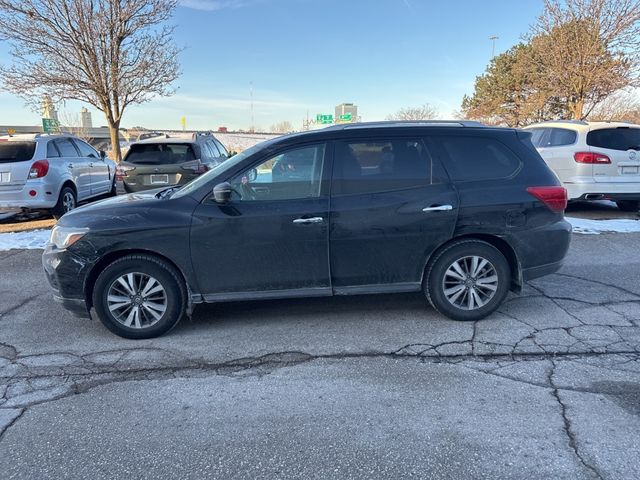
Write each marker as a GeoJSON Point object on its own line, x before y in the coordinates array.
{"type": "Point", "coordinates": [103, 154]}
{"type": "Point", "coordinates": [232, 153]}
{"type": "Point", "coordinates": [222, 193]}
{"type": "Point", "coordinates": [252, 175]}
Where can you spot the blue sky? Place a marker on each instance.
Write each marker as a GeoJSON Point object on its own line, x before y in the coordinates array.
{"type": "Point", "coordinates": [310, 55]}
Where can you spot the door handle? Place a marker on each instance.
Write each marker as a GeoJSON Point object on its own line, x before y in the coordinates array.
{"type": "Point", "coordinates": [91, 164]}
{"type": "Point", "coordinates": [307, 221]}
{"type": "Point", "coordinates": [438, 208]}
{"type": "Point", "coordinates": [70, 165]}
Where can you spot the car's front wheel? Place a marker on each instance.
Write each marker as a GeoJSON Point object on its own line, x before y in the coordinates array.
{"type": "Point", "coordinates": [467, 280]}
{"type": "Point", "coordinates": [140, 296]}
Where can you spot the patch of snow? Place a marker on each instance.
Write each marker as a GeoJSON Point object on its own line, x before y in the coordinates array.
{"type": "Point", "coordinates": [32, 239]}
{"type": "Point", "coordinates": [596, 227]}
{"type": "Point", "coordinates": [241, 141]}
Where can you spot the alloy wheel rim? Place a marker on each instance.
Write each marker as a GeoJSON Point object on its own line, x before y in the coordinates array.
{"type": "Point", "coordinates": [68, 202]}
{"type": "Point", "coordinates": [470, 282]}
{"type": "Point", "coordinates": [137, 300]}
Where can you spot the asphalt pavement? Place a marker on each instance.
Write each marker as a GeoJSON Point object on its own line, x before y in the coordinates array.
{"type": "Point", "coordinates": [345, 387]}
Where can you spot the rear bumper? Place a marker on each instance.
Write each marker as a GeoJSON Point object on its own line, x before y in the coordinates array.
{"type": "Point", "coordinates": [541, 270]}
{"type": "Point", "coordinates": [608, 191]}
{"type": "Point", "coordinates": [18, 199]}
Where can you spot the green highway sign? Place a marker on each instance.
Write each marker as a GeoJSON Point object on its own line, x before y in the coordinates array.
{"type": "Point", "coordinates": [347, 117]}
{"type": "Point", "coordinates": [49, 125]}
{"type": "Point", "coordinates": [324, 119]}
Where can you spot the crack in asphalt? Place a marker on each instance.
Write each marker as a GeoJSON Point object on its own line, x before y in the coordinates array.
{"type": "Point", "coordinates": [571, 437]}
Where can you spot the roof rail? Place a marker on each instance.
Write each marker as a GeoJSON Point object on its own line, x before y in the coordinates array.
{"type": "Point", "coordinates": [408, 123]}
{"type": "Point", "coordinates": [574, 122]}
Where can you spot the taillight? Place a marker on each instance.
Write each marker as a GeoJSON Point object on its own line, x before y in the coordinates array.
{"type": "Point", "coordinates": [39, 169]}
{"type": "Point", "coordinates": [196, 168]}
{"type": "Point", "coordinates": [121, 171]}
{"type": "Point", "coordinates": [553, 197]}
{"type": "Point", "coordinates": [591, 157]}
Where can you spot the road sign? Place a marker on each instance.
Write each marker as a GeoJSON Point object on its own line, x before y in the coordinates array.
{"type": "Point", "coordinates": [324, 119]}
{"type": "Point", "coordinates": [49, 125]}
{"type": "Point", "coordinates": [11, 131]}
{"type": "Point", "coordinates": [347, 117]}
{"type": "Point", "coordinates": [183, 122]}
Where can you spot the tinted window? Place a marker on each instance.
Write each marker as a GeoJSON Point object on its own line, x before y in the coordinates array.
{"type": "Point", "coordinates": [86, 150]}
{"type": "Point", "coordinates": [561, 136]}
{"type": "Point", "coordinates": [66, 148]}
{"type": "Point", "coordinates": [292, 174]}
{"type": "Point", "coordinates": [367, 167]}
{"type": "Point", "coordinates": [477, 158]}
{"type": "Point", "coordinates": [16, 151]}
{"type": "Point", "coordinates": [52, 151]}
{"type": "Point", "coordinates": [622, 138]}
{"type": "Point", "coordinates": [538, 136]}
{"type": "Point", "coordinates": [223, 150]}
{"type": "Point", "coordinates": [160, 153]}
{"type": "Point", "coordinates": [215, 153]}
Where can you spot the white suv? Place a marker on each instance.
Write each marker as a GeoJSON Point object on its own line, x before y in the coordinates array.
{"type": "Point", "coordinates": [51, 172]}
{"type": "Point", "coordinates": [593, 160]}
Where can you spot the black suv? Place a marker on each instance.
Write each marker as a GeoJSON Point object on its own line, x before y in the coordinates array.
{"type": "Point", "coordinates": [461, 212]}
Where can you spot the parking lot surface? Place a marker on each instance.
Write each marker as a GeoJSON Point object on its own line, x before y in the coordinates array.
{"type": "Point", "coordinates": [345, 387]}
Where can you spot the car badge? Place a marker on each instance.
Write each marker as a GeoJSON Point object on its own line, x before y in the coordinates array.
{"type": "Point", "coordinates": [632, 155]}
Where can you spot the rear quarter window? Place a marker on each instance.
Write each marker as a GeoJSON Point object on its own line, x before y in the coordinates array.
{"type": "Point", "coordinates": [621, 138]}
{"type": "Point", "coordinates": [16, 151]}
{"type": "Point", "coordinates": [476, 158]}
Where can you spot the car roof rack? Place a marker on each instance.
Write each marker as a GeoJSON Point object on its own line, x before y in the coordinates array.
{"type": "Point", "coordinates": [408, 123]}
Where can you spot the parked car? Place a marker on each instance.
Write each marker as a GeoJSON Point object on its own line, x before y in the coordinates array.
{"type": "Point", "coordinates": [169, 160]}
{"type": "Point", "coordinates": [51, 172]}
{"type": "Point", "coordinates": [463, 213]}
{"type": "Point", "coordinates": [593, 160]}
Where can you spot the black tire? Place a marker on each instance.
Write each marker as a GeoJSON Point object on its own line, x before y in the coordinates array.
{"type": "Point", "coordinates": [114, 189]}
{"type": "Point", "coordinates": [463, 251]}
{"type": "Point", "coordinates": [174, 290]}
{"type": "Point", "coordinates": [628, 205]}
{"type": "Point", "coordinates": [67, 195]}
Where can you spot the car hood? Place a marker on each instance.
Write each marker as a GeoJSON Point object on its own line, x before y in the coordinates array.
{"type": "Point", "coordinates": [134, 210]}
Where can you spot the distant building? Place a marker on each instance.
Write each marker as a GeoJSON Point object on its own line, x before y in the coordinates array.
{"type": "Point", "coordinates": [85, 118]}
{"type": "Point", "coordinates": [346, 109]}
{"type": "Point", "coordinates": [49, 109]}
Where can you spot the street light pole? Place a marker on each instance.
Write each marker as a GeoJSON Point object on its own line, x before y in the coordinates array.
{"type": "Point", "coordinates": [493, 39]}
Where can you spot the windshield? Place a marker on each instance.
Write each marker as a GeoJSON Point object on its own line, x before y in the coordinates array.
{"type": "Point", "coordinates": [621, 138]}
{"type": "Point", "coordinates": [214, 172]}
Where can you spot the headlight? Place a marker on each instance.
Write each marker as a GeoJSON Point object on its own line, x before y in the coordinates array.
{"type": "Point", "coordinates": [63, 237]}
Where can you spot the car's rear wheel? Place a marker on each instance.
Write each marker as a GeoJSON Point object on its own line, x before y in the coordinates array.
{"type": "Point", "coordinates": [628, 205]}
{"type": "Point", "coordinates": [140, 296]}
{"type": "Point", "coordinates": [467, 280]}
{"type": "Point", "coordinates": [67, 201]}
{"type": "Point", "coordinates": [114, 189]}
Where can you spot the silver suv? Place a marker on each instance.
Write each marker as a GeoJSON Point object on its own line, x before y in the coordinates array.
{"type": "Point", "coordinates": [51, 172]}
{"type": "Point", "coordinates": [593, 160]}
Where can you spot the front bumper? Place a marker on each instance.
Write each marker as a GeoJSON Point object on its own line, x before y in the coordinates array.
{"type": "Point", "coordinates": [66, 272]}
{"type": "Point", "coordinates": [14, 200]}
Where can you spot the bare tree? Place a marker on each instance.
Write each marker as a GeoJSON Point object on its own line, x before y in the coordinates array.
{"type": "Point", "coordinates": [282, 127]}
{"type": "Point", "coordinates": [72, 123]}
{"type": "Point", "coordinates": [423, 112]}
{"type": "Point", "coordinates": [586, 50]}
{"type": "Point", "coordinates": [107, 53]}
{"type": "Point", "coordinates": [623, 106]}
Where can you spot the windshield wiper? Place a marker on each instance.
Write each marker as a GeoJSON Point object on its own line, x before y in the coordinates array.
{"type": "Point", "coordinates": [166, 192]}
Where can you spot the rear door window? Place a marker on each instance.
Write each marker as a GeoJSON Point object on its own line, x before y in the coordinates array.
{"type": "Point", "coordinates": [621, 138]}
{"type": "Point", "coordinates": [160, 153]}
{"type": "Point", "coordinates": [16, 151]}
{"type": "Point", "coordinates": [560, 137]}
{"type": "Point", "coordinates": [66, 148]}
{"type": "Point", "coordinates": [380, 166]}
{"type": "Point", "coordinates": [221, 147]}
{"type": "Point", "coordinates": [476, 158]}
